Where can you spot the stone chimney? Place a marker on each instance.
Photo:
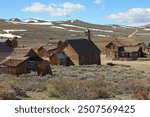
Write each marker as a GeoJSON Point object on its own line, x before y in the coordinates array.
{"type": "Point", "coordinates": [88, 34]}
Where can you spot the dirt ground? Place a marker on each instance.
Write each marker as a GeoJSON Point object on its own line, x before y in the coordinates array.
{"type": "Point", "coordinates": [138, 65]}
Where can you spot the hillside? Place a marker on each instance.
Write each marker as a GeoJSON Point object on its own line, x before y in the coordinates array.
{"type": "Point", "coordinates": [36, 30]}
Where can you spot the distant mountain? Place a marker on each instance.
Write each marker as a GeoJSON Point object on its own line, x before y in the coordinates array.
{"type": "Point", "coordinates": [146, 26]}
{"type": "Point", "coordinates": [34, 20]}
{"type": "Point", "coordinates": [34, 30]}
{"type": "Point", "coordinates": [15, 20]}
{"type": "Point", "coordinates": [2, 19]}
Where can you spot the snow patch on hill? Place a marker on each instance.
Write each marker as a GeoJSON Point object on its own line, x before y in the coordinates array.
{"type": "Point", "coordinates": [147, 29]}
{"type": "Point", "coordinates": [73, 26]}
{"type": "Point", "coordinates": [75, 31]}
{"type": "Point", "coordinates": [94, 29]}
{"type": "Point", "coordinates": [13, 30]}
{"type": "Point", "coordinates": [58, 27]}
{"type": "Point", "coordinates": [9, 35]}
{"type": "Point", "coordinates": [101, 35]}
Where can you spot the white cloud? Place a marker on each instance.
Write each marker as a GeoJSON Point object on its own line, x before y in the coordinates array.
{"type": "Point", "coordinates": [134, 16]}
{"type": "Point", "coordinates": [98, 1]}
{"type": "Point", "coordinates": [55, 10]}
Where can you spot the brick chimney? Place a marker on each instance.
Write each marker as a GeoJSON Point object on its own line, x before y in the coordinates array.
{"type": "Point", "coordinates": [88, 34]}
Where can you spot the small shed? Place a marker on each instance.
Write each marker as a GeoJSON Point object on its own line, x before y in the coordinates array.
{"type": "Point", "coordinates": [59, 58]}
{"type": "Point", "coordinates": [16, 66]}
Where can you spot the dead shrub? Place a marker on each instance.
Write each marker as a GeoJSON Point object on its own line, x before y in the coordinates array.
{"type": "Point", "coordinates": [32, 85]}
{"type": "Point", "coordinates": [75, 89]}
{"type": "Point", "coordinates": [142, 93]}
{"type": "Point", "coordinates": [131, 85]}
{"type": "Point", "coordinates": [9, 91]}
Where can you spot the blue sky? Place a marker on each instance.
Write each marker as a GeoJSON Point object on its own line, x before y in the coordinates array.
{"type": "Point", "coordinates": [124, 12]}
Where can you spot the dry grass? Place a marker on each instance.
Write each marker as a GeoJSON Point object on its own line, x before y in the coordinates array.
{"type": "Point", "coordinates": [9, 91]}
{"type": "Point", "coordinates": [79, 89]}
{"type": "Point", "coordinates": [80, 82]}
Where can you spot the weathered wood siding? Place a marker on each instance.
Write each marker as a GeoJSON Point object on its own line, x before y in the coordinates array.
{"type": "Point", "coordinates": [21, 69]}
{"type": "Point", "coordinates": [42, 52]}
{"type": "Point", "coordinates": [90, 59]}
{"type": "Point", "coordinates": [14, 43]}
{"type": "Point", "coordinates": [112, 51]}
{"type": "Point", "coordinates": [56, 61]}
{"type": "Point", "coordinates": [74, 57]}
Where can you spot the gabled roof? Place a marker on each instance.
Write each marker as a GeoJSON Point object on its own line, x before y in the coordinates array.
{"type": "Point", "coordinates": [13, 62]}
{"type": "Point", "coordinates": [83, 46]}
{"type": "Point", "coordinates": [117, 44]}
{"type": "Point", "coordinates": [131, 48]}
{"type": "Point", "coordinates": [140, 43]}
{"type": "Point", "coordinates": [21, 51]}
{"type": "Point", "coordinates": [25, 52]}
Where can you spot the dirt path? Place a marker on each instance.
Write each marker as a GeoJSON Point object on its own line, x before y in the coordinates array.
{"type": "Point", "coordinates": [138, 65]}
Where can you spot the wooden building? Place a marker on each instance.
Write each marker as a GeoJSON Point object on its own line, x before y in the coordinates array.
{"type": "Point", "coordinates": [113, 50]}
{"type": "Point", "coordinates": [143, 46]}
{"type": "Point", "coordinates": [47, 50]}
{"type": "Point", "coordinates": [132, 52]}
{"type": "Point", "coordinates": [118, 51]}
{"type": "Point", "coordinates": [59, 58]}
{"type": "Point", "coordinates": [22, 61]}
{"type": "Point", "coordinates": [82, 52]}
{"type": "Point", "coordinates": [12, 43]}
{"type": "Point", "coordinates": [77, 52]}
{"type": "Point", "coordinates": [9, 42]}
{"type": "Point", "coordinates": [34, 58]}
{"type": "Point", "coordinates": [16, 66]}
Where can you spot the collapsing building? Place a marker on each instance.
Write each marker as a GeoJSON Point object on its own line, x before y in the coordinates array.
{"type": "Point", "coordinates": [22, 61]}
